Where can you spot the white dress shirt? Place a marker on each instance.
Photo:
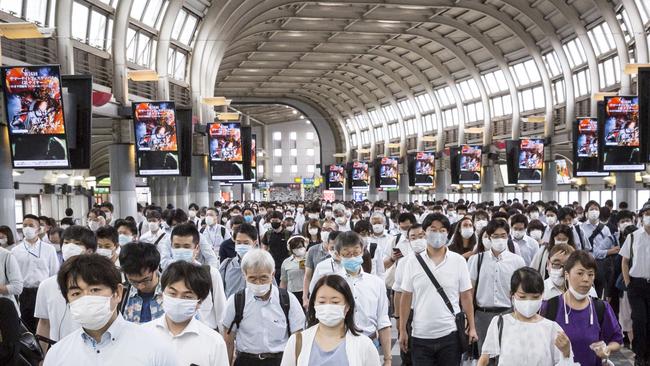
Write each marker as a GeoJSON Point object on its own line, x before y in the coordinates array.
{"type": "Point", "coordinates": [370, 300]}
{"type": "Point", "coordinates": [212, 235]}
{"type": "Point", "coordinates": [263, 328]}
{"type": "Point", "coordinates": [196, 344]}
{"type": "Point", "coordinates": [527, 247]}
{"type": "Point", "coordinates": [431, 317]}
{"type": "Point", "coordinates": [325, 267]}
{"type": "Point", "coordinates": [206, 253]}
{"type": "Point", "coordinates": [10, 276]}
{"type": "Point", "coordinates": [37, 262]}
{"type": "Point", "coordinates": [641, 253]}
{"type": "Point", "coordinates": [212, 308]}
{"type": "Point", "coordinates": [151, 237]}
{"type": "Point", "coordinates": [124, 343]}
{"type": "Point", "coordinates": [493, 289]}
{"type": "Point", "coordinates": [51, 305]}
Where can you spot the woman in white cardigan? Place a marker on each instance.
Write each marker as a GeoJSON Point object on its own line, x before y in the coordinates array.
{"type": "Point", "coordinates": [332, 338]}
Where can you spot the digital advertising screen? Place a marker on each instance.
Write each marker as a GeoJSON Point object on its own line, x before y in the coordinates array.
{"type": "Point", "coordinates": [425, 169]}
{"type": "Point", "coordinates": [225, 142]}
{"type": "Point", "coordinates": [619, 137]}
{"type": "Point", "coordinates": [530, 161]}
{"type": "Point", "coordinates": [388, 172]}
{"type": "Point", "coordinates": [253, 160]}
{"type": "Point", "coordinates": [470, 164]}
{"type": "Point", "coordinates": [34, 110]}
{"type": "Point", "coordinates": [336, 177]}
{"type": "Point", "coordinates": [585, 153]}
{"type": "Point", "coordinates": [563, 173]}
{"type": "Point", "coordinates": [360, 175]}
{"type": "Point", "coordinates": [226, 170]}
{"type": "Point", "coordinates": [156, 139]}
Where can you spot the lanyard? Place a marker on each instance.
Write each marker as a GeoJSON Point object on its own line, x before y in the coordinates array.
{"type": "Point", "coordinates": [39, 249]}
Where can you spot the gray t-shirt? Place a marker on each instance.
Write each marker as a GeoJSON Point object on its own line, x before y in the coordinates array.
{"type": "Point", "coordinates": [335, 357]}
{"type": "Point", "coordinates": [293, 273]}
{"type": "Point", "coordinates": [315, 255]}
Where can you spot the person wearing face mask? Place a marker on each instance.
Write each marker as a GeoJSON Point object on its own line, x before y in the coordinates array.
{"type": "Point", "coordinates": [155, 233]}
{"type": "Point", "coordinates": [560, 234]}
{"type": "Point", "coordinates": [464, 240]}
{"type": "Point", "coordinates": [185, 287]}
{"type": "Point", "coordinates": [535, 230]}
{"type": "Point", "coordinates": [55, 240]}
{"type": "Point", "coordinates": [331, 263]}
{"type": "Point", "coordinates": [289, 224]}
{"type": "Point", "coordinates": [92, 287]}
{"type": "Point", "coordinates": [37, 262]}
{"type": "Point", "coordinates": [108, 244]}
{"type": "Point", "coordinates": [555, 284]}
{"type": "Point", "coordinates": [185, 248]}
{"type": "Point", "coordinates": [312, 231]}
{"type": "Point", "coordinates": [435, 334]}
{"type": "Point", "coordinates": [332, 336]}
{"type": "Point", "coordinates": [480, 219]}
{"type": "Point", "coordinates": [550, 218]}
{"type": "Point", "coordinates": [142, 300]}
{"type": "Point", "coordinates": [260, 318]}
{"type": "Point", "coordinates": [589, 322]}
{"type": "Point", "coordinates": [528, 246]}
{"type": "Point", "coordinates": [292, 276]}
{"type": "Point", "coordinates": [193, 214]}
{"type": "Point", "coordinates": [206, 253]}
{"type": "Point", "coordinates": [404, 223]}
{"type": "Point", "coordinates": [490, 272]}
{"type": "Point", "coordinates": [51, 310]}
{"type": "Point", "coordinates": [275, 241]}
{"type": "Point", "coordinates": [300, 217]}
{"type": "Point", "coordinates": [341, 220]}
{"type": "Point", "coordinates": [7, 238]}
{"type": "Point", "coordinates": [605, 248]}
{"type": "Point", "coordinates": [245, 239]}
{"type": "Point", "coordinates": [566, 215]}
{"type": "Point", "coordinates": [636, 274]}
{"type": "Point", "coordinates": [227, 247]}
{"type": "Point", "coordinates": [524, 337]}
{"type": "Point", "coordinates": [248, 216]}
{"type": "Point", "coordinates": [532, 212]}
{"type": "Point", "coordinates": [108, 209]}
{"type": "Point", "coordinates": [232, 212]}
{"type": "Point", "coordinates": [95, 219]}
{"type": "Point", "coordinates": [11, 279]}
{"type": "Point", "coordinates": [213, 232]}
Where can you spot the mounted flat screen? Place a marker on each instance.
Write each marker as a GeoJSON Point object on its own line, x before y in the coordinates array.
{"type": "Point", "coordinates": [360, 176]}
{"type": "Point", "coordinates": [34, 110]}
{"type": "Point", "coordinates": [619, 138]}
{"type": "Point", "coordinates": [253, 160]}
{"type": "Point", "coordinates": [585, 148]}
{"type": "Point", "coordinates": [388, 172]}
{"type": "Point", "coordinates": [470, 164]}
{"type": "Point", "coordinates": [336, 177]}
{"type": "Point", "coordinates": [563, 173]}
{"type": "Point", "coordinates": [425, 169]}
{"type": "Point", "coordinates": [531, 161]}
{"type": "Point", "coordinates": [156, 139]}
{"type": "Point", "coordinates": [226, 151]}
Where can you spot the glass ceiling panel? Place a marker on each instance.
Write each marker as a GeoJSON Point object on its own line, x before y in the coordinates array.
{"type": "Point", "coordinates": [36, 11]}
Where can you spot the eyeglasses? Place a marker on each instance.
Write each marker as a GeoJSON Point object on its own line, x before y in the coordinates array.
{"type": "Point", "coordinates": [145, 281]}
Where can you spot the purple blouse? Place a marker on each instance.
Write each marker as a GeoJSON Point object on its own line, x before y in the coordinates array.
{"type": "Point", "coordinates": [582, 334]}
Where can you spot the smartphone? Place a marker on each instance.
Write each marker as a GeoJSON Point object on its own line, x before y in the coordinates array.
{"type": "Point", "coordinates": [396, 251]}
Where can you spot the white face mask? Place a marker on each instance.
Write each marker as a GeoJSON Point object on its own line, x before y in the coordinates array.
{"type": "Point", "coordinates": [377, 228]}
{"type": "Point", "coordinates": [30, 233]}
{"type": "Point", "coordinates": [527, 308]}
{"type": "Point", "coordinates": [124, 239]}
{"type": "Point", "coordinates": [593, 215]}
{"type": "Point", "coordinates": [313, 231]}
{"type": "Point", "coordinates": [179, 310]}
{"type": "Point", "coordinates": [419, 245]}
{"type": "Point", "coordinates": [499, 245]}
{"type": "Point", "coordinates": [436, 240]}
{"type": "Point", "coordinates": [341, 220]}
{"type": "Point", "coordinates": [534, 215]}
{"type": "Point", "coordinates": [192, 214]}
{"type": "Point", "coordinates": [557, 276]}
{"type": "Point", "coordinates": [646, 220]}
{"type": "Point", "coordinates": [210, 220]}
{"type": "Point", "coordinates": [70, 250]}
{"type": "Point", "coordinates": [300, 252]}
{"type": "Point", "coordinates": [330, 315]}
{"type": "Point", "coordinates": [108, 215]}
{"type": "Point", "coordinates": [623, 225]}
{"type": "Point", "coordinates": [105, 252]}
{"type": "Point", "coordinates": [518, 234]}
{"type": "Point", "coordinates": [551, 220]}
{"type": "Point", "coordinates": [290, 228]}
{"type": "Point", "coordinates": [183, 254]}
{"type": "Point", "coordinates": [487, 243]}
{"type": "Point", "coordinates": [466, 232]}
{"type": "Point", "coordinates": [3, 241]}
{"type": "Point", "coordinates": [313, 216]}
{"type": "Point", "coordinates": [258, 290]}
{"type": "Point", "coordinates": [480, 224]}
{"type": "Point", "coordinates": [65, 226]}
{"type": "Point", "coordinates": [577, 295]}
{"type": "Point", "coordinates": [153, 227]}
{"type": "Point", "coordinates": [91, 312]}
{"type": "Point", "coordinates": [324, 235]}
{"type": "Point", "coordinates": [536, 234]}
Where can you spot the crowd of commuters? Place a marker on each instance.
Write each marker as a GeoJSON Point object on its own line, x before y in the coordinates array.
{"type": "Point", "coordinates": [324, 283]}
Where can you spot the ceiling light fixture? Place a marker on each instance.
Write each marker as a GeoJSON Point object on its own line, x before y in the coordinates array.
{"type": "Point", "coordinates": [216, 101]}
{"type": "Point", "coordinates": [534, 119]}
{"type": "Point", "coordinates": [24, 30]}
{"type": "Point", "coordinates": [229, 116]}
{"type": "Point", "coordinates": [143, 75]}
{"type": "Point", "coordinates": [632, 69]}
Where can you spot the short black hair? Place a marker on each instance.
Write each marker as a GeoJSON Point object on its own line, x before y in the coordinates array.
{"type": "Point", "coordinates": [108, 232]}
{"type": "Point", "coordinates": [30, 216]}
{"type": "Point", "coordinates": [413, 227]}
{"type": "Point", "coordinates": [275, 215]}
{"type": "Point", "coordinates": [186, 229]}
{"type": "Point", "coordinates": [93, 269]}
{"type": "Point", "coordinates": [493, 225]}
{"type": "Point", "coordinates": [530, 280]}
{"type": "Point", "coordinates": [436, 217]}
{"type": "Point", "coordinates": [348, 239]}
{"type": "Point", "coordinates": [67, 221]}
{"type": "Point", "coordinates": [193, 206]}
{"type": "Point", "coordinates": [406, 216]}
{"type": "Point", "coordinates": [582, 257]}
{"type": "Point", "coordinates": [154, 214]}
{"type": "Point", "coordinates": [361, 226]}
{"type": "Point", "coordinates": [137, 257]}
{"type": "Point", "coordinates": [69, 212]}
{"type": "Point", "coordinates": [97, 212]}
{"type": "Point", "coordinates": [177, 215]}
{"type": "Point", "coordinates": [129, 225]}
{"type": "Point", "coordinates": [82, 234]}
{"type": "Point", "coordinates": [108, 205]}
{"type": "Point", "coordinates": [8, 233]}
{"type": "Point", "coordinates": [333, 235]}
{"type": "Point", "coordinates": [519, 219]}
{"type": "Point", "coordinates": [247, 229]}
{"type": "Point", "coordinates": [195, 277]}
{"type": "Point", "coordinates": [564, 212]}
{"type": "Point", "coordinates": [592, 203]}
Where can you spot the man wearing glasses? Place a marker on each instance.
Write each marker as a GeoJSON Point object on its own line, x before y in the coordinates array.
{"type": "Point", "coordinates": [143, 296]}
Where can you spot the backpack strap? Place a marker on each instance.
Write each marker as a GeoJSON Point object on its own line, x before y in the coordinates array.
{"type": "Point", "coordinates": [240, 302]}
{"type": "Point", "coordinates": [125, 298]}
{"type": "Point", "coordinates": [599, 305]}
{"type": "Point", "coordinates": [285, 304]}
{"type": "Point", "coordinates": [478, 276]}
{"type": "Point", "coordinates": [202, 230]}
{"type": "Point", "coordinates": [159, 239]}
{"type": "Point", "coordinates": [298, 345]}
{"type": "Point", "coordinates": [397, 237]}
{"type": "Point", "coordinates": [225, 270]}
{"type": "Point", "coordinates": [552, 306]}
{"type": "Point", "coordinates": [631, 249]}
{"type": "Point", "coordinates": [223, 232]}
{"type": "Point", "coordinates": [581, 236]}
{"type": "Point", "coordinates": [541, 261]}
{"type": "Point", "coordinates": [373, 249]}
{"type": "Point", "coordinates": [597, 231]}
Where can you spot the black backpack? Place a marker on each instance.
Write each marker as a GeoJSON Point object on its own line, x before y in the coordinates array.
{"type": "Point", "coordinates": [223, 231]}
{"type": "Point", "coordinates": [240, 302]}
{"type": "Point", "coordinates": [554, 305]}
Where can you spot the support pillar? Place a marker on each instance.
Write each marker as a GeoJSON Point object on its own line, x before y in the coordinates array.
{"type": "Point", "coordinates": [487, 182]}
{"type": "Point", "coordinates": [404, 193]}
{"type": "Point", "coordinates": [625, 190]}
{"type": "Point", "coordinates": [214, 189]}
{"type": "Point", "coordinates": [441, 180]}
{"type": "Point", "coordinates": [248, 191]}
{"type": "Point", "coordinates": [182, 193]}
{"type": "Point", "coordinates": [122, 173]}
{"type": "Point", "coordinates": [171, 191]}
{"type": "Point", "coordinates": [7, 194]}
{"type": "Point", "coordinates": [549, 182]}
{"type": "Point", "coordinates": [199, 193]}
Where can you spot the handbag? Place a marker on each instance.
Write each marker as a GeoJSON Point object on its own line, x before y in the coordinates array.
{"type": "Point", "coordinates": [28, 350]}
{"type": "Point", "coordinates": [460, 318]}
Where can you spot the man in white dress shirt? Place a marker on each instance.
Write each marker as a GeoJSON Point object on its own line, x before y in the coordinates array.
{"type": "Point", "coordinates": [213, 232]}
{"type": "Point", "coordinates": [92, 287]}
{"type": "Point", "coordinates": [37, 261]}
{"type": "Point", "coordinates": [185, 287]}
{"type": "Point", "coordinates": [154, 234]}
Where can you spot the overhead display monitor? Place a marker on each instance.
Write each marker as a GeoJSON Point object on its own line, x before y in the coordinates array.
{"type": "Point", "coordinates": [253, 162]}
{"type": "Point", "coordinates": [388, 172]}
{"type": "Point", "coordinates": [531, 161]}
{"type": "Point", "coordinates": [156, 139]}
{"type": "Point", "coordinates": [470, 164]}
{"type": "Point", "coordinates": [425, 169]}
{"type": "Point", "coordinates": [34, 110]}
{"type": "Point", "coordinates": [563, 173]}
{"type": "Point", "coordinates": [360, 176]}
{"type": "Point", "coordinates": [336, 177]}
{"type": "Point", "coordinates": [226, 151]}
{"type": "Point", "coordinates": [619, 134]}
{"type": "Point", "coordinates": [585, 151]}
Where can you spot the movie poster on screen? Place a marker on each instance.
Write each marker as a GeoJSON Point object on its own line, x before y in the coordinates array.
{"type": "Point", "coordinates": [388, 172]}
{"type": "Point", "coordinates": [34, 111]}
{"type": "Point", "coordinates": [470, 164]}
{"type": "Point", "coordinates": [562, 170]}
{"type": "Point", "coordinates": [360, 176]}
{"type": "Point", "coordinates": [530, 161]}
{"type": "Point", "coordinates": [225, 142]}
{"type": "Point", "coordinates": [156, 138]}
{"type": "Point", "coordinates": [620, 134]}
{"type": "Point", "coordinates": [425, 168]}
{"type": "Point", "coordinates": [585, 154]}
{"type": "Point", "coordinates": [335, 177]}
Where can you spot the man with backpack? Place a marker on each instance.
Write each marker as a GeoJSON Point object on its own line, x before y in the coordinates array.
{"type": "Point", "coordinates": [261, 317]}
{"type": "Point", "coordinates": [275, 241]}
{"type": "Point", "coordinates": [245, 239]}
{"type": "Point", "coordinates": [213, 232]}
{"type": "Point", "coordinates": [602, 243]}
